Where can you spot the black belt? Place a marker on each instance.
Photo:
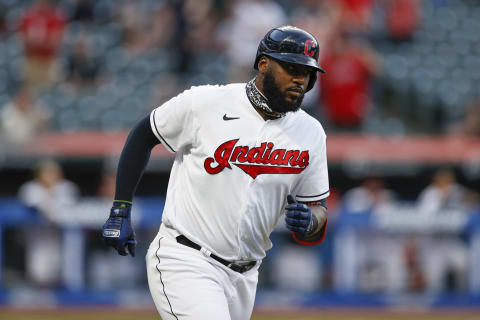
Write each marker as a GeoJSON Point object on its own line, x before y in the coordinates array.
{"type": "Point", "coordinates": [241, 268]}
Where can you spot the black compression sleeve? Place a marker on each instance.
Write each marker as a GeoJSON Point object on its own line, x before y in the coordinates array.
{"type": "Point", "coordinates": [134, 159]}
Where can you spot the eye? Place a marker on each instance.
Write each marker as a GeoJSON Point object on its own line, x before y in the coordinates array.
{"type": "Point", "coordinates": [295, 69]}
{"type": "Point", "coordinates": [306, 71]}
{"type": "Point", "coordinates": [290, 68]}
{"type": "Point", "coordinates": [299, 70]}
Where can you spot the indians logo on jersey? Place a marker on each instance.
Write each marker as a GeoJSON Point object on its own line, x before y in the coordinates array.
{"type": "Point", "coordinates": [257, 160]}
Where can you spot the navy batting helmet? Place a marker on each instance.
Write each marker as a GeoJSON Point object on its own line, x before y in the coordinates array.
{"type": "Point", "coordinates": [291, 45]}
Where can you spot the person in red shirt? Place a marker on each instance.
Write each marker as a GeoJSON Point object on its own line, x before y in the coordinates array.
{"type": "Point", "coordinates": [357, 15]}
{"type": "Point", "coordinates": [41, 28]}
{"type": "Point", "coordinates": [402, 18]}
{"type": "Point", "coordinates": [345, 93]}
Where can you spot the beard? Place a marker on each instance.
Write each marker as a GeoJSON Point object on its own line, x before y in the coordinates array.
{"type": "Point", "coordinates": [277, 100]}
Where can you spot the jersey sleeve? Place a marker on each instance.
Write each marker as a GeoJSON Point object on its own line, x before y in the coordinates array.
{"type": "Point", "coordinates": [314, 184]}
{"type": "Point", "coordinates": [173, 122]}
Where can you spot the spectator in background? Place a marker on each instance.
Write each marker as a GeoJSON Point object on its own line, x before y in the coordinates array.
{"type": "Point", "coordinates": [402, 19]}
{"type": "Point", "coordinates": [286, 259]}
{"type": "Point", "coordinates": [82, 68]}
{"type": "Point", "coordinates": [445, 194]}
{"type": "Point", "coordinates": [81, 11]}
{"type": "Point", "coordinates": [249, 21]}
{"type": "Point", "coordinates": [51, 196]}
{"type": "Point", "coordinates": [380, 257]}
{"type": "Point", "coordinates": [368, 197]}
{"type": "Point", "coordinates": [3, 26]}
{"type": "Point", "coordinates": [356, 15]}
{"type": "Point", "coordinates": [145, 28]}
{"type": "Point", "coordinates": [195, 26]}
{"type": "Point", "coordinates": [469, 126]}
{"type": "Point", "coordinates": [415, 275]}
{"type": "Point", "coordinates": [320, 18]}
{"type": "Point", "coordinates": [445, 254]}
{"type": "Point", "coordinates": [201, 22]}
{"type": "Point", "coordinates": [106, 188]}
{"type": "Point", "coordinates": [133, 22]}
{"type": "Point", "coordinates": [346, 94]}
{"type": "Point", "coordinates": [41, 28]}
{"type": "Point", "coordinates": [22, 118]}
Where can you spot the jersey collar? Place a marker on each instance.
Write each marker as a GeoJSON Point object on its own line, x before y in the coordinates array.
{"type": "Point", "coordinates": [259, 101]}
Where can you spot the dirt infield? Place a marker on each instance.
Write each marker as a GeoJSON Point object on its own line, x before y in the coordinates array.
{"type": "Point", "coordinates": [321, 314]}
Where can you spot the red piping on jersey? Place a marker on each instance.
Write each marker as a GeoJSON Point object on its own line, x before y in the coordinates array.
{"type": "Point", "coordinates": [306, 243]}
{"type": "Point", "coordinates": [254, 170]}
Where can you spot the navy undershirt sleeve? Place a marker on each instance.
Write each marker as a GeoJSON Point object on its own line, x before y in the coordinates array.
{"type": "Point", "coordinates": [134, 159]}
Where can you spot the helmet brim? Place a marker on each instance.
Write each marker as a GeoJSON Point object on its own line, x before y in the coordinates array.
{"type": "Point", "coordinates": [296, 58]}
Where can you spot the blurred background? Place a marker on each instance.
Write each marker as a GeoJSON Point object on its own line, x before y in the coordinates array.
{"type": "Point", "coordinates": [400, 103]}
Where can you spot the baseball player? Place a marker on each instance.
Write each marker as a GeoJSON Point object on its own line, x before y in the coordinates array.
{"type": "Point", "coordinates": [245, 154]}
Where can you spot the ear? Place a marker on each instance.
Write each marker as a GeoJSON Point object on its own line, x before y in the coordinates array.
{"type": "Point", "coordinates": [263, 64]}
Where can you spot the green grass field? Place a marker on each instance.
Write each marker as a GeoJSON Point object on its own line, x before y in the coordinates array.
{"type": "Point", "coordinates": [327, 314]}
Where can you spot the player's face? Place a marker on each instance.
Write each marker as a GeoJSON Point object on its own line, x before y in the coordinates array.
{"type": "Point", "coordinates": [284, 85]}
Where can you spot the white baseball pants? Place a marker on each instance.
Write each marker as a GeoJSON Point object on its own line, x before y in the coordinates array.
{"type": "Point", "coordinates": [187, 285]}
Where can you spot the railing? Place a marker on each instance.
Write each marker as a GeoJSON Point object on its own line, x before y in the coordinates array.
{"type": "Point", "coordinates": [355, 242]}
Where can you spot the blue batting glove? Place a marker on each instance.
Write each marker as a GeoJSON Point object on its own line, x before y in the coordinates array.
{"type": "Point", "coordinates": [117, 232]}
{"type": "Point", "coordinates": [298, 217]}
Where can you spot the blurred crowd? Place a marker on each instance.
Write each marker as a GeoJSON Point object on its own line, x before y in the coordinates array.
{"type": "Point", "coordinates": [385, 243]}
{"type": "Point", "coordinates": [428, 257]}
{"type": "Point", "coordinates": [425, 248]}
{"type": "Point", "coordinates": [69, 65]}
{"type": "Point", "coordinates": [60, 239]}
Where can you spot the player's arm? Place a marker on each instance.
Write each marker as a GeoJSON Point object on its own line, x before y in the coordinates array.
{"type": "Point", "coordinates": [134, 159]}
{"type": "Point", "coordinates": [117, 232]}
{"type": "Point", "coordinates": [308, 221]}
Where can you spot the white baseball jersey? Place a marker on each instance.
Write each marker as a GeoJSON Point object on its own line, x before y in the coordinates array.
{"type": "Point", "coordinates": [233, 170]}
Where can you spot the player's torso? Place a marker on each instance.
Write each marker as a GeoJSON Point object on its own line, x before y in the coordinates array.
{"type": "Point", "coordinates": [232, 182]}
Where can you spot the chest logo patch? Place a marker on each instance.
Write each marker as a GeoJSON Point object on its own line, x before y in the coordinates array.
{"type": "Point", "coordinates": [258, 160]}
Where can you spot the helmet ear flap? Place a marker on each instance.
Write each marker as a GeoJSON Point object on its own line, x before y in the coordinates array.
{"type": "Point", "coordinates": [313, 79]}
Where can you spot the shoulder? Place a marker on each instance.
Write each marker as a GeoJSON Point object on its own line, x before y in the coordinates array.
{"type": "Point", "coordinates": [68, 185]}
{"type": "Point", "coordinates": [306, 123]}
{"type": "Point", "coordinates": [29, 188]}
{"type": "Point", "coordinates": [28, 185]}
{"type": "Point", "coordinates": [194, 95]}
{"type": "Point", "coordinates": [67, 188]}
{"type": "Point", "coordinates": [212, 96]}
{"type": "Point", "coordinates": [209, 90]}
{"type": "Point", "coordinates": [429, 191]}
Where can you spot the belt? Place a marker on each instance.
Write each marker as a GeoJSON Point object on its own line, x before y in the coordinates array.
{"type": "Point", "coordinates": [241, 268]}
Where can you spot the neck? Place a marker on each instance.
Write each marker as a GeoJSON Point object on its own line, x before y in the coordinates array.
{"type": "Point", "coordinates": [259, 84]}
{"type": "Point", "coordinates": [258, 100]}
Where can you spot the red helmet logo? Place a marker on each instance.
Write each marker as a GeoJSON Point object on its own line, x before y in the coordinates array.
{"type": "Point", "coordinates": [310, 47]}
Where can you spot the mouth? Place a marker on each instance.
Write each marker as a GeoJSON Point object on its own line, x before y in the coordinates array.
{"type": "Point", "coordinates": [295, 90]}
